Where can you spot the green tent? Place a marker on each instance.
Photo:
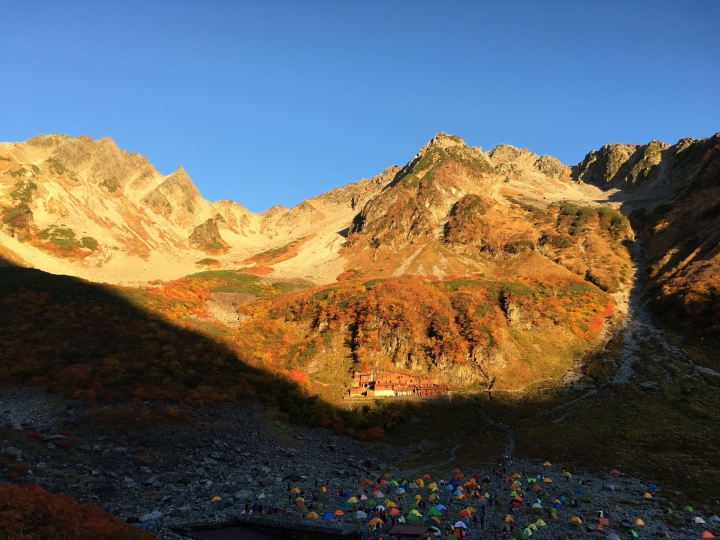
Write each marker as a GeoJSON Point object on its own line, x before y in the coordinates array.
{"type": "Point", "coordinates": [518, 536]}
{"type": "Point", "coordinates": [664, 534]}
{"type": "Point", "coordinates": [527, 533]}
{"type": "Point", "coordinates": [581, 529]}
{"type": "Point", "coordinates": [633, 533]}
{"type": "Point", "coordinates": [688, 509]}
{"type": "Point", "coordinates": [412, 517]}
{"type": "Point", "coordinates": [563, 536]}
{"type": "Point", "coordinates": [540, 523]}
{"type": "Point", "coordinates": [433, 512]}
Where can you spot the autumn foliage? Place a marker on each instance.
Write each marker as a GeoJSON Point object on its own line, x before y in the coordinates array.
{"type": "Point", "coordinates": [28, 512]}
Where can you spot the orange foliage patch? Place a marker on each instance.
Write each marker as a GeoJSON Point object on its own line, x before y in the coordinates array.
{"type": "Point", "coordinates": [31, 512]}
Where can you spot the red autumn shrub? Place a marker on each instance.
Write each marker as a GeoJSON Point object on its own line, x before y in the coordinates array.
{"type": "Point", "coordinates": [28, 512]}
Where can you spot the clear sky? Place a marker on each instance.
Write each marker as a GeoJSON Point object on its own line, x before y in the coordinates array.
{"type": "Point", "coordinates": [270, 102]}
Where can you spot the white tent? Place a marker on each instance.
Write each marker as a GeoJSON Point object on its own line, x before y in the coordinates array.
{"type": "Point", "coordinates": [698, 519]}
{"type": "Point", "coordinates": [360, 515]}
{"type": "Point", "coordinates": [460, 525]}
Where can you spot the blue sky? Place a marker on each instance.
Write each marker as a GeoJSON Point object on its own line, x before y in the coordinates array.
{"type": "Point", "coordinates": [271, 102]}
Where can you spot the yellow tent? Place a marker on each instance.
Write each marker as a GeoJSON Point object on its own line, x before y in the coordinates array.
{"type": "Point", "coordinates": [553, 515]}
{"type": "Point", "coordinates": [566, 474]}
{"type": "Point", "coordinates": [323, 489]}
{"type": "Point", "coordinates": [639, 522]}
{"type": "Point", "coordinates": [516, 475]}
{"type": "Point", "coordinates": [547, 464]}
{"type": "Point", "coordinates": [647, 496]}
{"type": "Point", "coordinates": [312, 515]}
{"type": "Point", "coordinates": [390, 504]}
{"type": "Point", "coordinates": [431, 485]}
{"type": "Point", "coordinates": [509, 518]}
{"type": "Point", "coordinates": [470, 509]}
{"type": "Point", "coordinates": [417, 497]}
{"type": "Point", "coordinates": [216, 499]}
{"type": "Point", "coordinates": [548, 480]}
{"type": "Point", "coordinates": [532, 527]}
{"type": "Point", "coordinates": [575, 519]}
{"type": "Point", "coordinates": [296, 490]}
{"type": "Point", "coordinates": [420, 483]}
{"type": "Point", "coordinates": [460, 496]}
{"type": "Point", "coordinates": [353, 500]}
{"type": "Point", "coordinates": [375, 521]}
{"type": "Point", "coordinates": [414, 511]}
{"type": "Point", "coordinates": [436, 520]}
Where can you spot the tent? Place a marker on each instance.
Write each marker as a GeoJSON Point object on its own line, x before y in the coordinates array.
{"type": "Point", "coordinates": [433, 511]}
{"type": "Point", "coordinates": [215, 499]}
{"type": "Point", "coordinates": [547, 464]}
{"type": "Point", "coordinates": [633, 534]}
{"type": "Point", "coordinates": [547, 480]}
{"type": "Point", "coordinates": [615, 472]}
{"type": "Point", "coordinates": [527, 532]}
{"type": "Point", "coordinates": [375, 521]}
{"type": "Point", "coordinates": [647, 495]}
{"type": "Point", "coordinates": [578, 491]}
{"type": "Point", "coordinates": [688, 509]}
{"type": "Point", "coordinates": [537, 506]}
{"type": "Point", "coordinates": [567, 474]}
{"type": "Point", "coordinates": [613, 536]}
{"type": "Point", "coordinates": [664, 534]}
{"type": "Point", "coordinates": [353, 500]}
{"type": "Point", "coordinates": [460, 525]}
{"type": "Point", "coordinates": [698, 519]}
{"type": "Point", "coordinates": [715, 519]}
{"type": "Point", "coordinates": [339, 513]}
{"type": "Point", "coordinates": [294, 490]}
{"type": "Point", "coordinates": [312, 515]}
{"type": "Point", "coordinates": [329, 515]}
{"type": "Point", "coordinates": [465, 514]}
{"type": "Point", "coordinates": [575, 519]}
{"type": "Point", "coordinates": [652, 486]}
{"type": "Point", "coordinates": [412, 518]}
{"type": "Point", "coordinates": [360, 515]}
{"type": "Point", "coordinates": [639, 522]}
{"type": "Point", "coordinates": [540, 523]}
{"type": "Point", "coordinates": [394, 512]}
{"type": "Point", "coordinates": [707, 534]}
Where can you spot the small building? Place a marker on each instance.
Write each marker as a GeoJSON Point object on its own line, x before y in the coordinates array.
{"type": "Point", "coordinates": [397, 383]}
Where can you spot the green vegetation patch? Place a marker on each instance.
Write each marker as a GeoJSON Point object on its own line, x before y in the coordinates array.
{"type": "Point", "coordinates": [238, 282]}
{"type": "Point", "coordinates": [56, 167]}
{"type": "Point", "coordinates": [23, 191]}
{"type": "Point", "coordinates": [89, 242]}
{"type": "Point", "coordinates": [111, 184]}
{"type": "Point", "coordinates": [62, 238]}
{"type": "Point", "coordinates": [13, 213]}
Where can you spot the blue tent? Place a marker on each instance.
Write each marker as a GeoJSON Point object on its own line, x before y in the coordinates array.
{"type": "Point", "coordinates": [457, 492]}
{"type": "Point", "coordinates": [329, 515]}
{"type": "Point", "coordinates": [578, 491]}
{"type": "Point", "coordinates": [440, 507]}
{"type": "Point", "coordinates": [536, 500]}
{"type": "Point", "coordinates": [563, 498]}
{"type": "Point", "coordinates": [449, 487]}
{"type": "Point", "coordinates": [652, 486]}
{"type": "Point", "coordinates": [557, 505]}
{"type": "Point", "coordinates": [346, 495]}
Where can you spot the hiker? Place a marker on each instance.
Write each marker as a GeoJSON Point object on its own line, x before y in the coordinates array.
{"type": "Point", "coordinates": [482, 521]}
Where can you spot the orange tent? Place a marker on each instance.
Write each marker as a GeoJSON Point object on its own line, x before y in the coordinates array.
{"type": "Point", "coordinates": [707, 534]}
{"type": "Point", "coordinates": [366, 481]}
{"type": "Point", "coordinates": [339, 513]}
{"type": "Point", "coordinates": [394, 511]}
{"type": "Point", "coordinates": [426, 476]}
{"type": "Point", "coordinates": [603, 521]}
{"type": "Point", "coordinates": [537, 487]}
{"type": "Point", "coordinates": [383, 481]}
{"type": "Point", "coordinates": [465, 514]}
{"type": "Point", "coordinates": [615, 472]}
{"type": "Point", "coordinates": [455, 471]}
{"type": "Point", "coordinates": [387, 475]}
